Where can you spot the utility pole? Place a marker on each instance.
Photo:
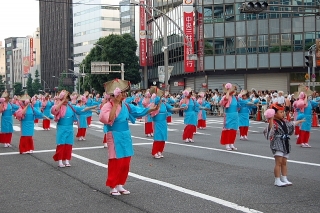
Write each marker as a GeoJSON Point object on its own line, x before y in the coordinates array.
{"type": "Point", "coordinates": [165, 53]}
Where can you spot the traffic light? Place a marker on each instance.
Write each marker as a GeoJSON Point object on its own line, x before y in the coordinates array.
{"type": "Point", "coordinates": [253, 7]}
{"type": "Point", "coordinates": [309, 61]}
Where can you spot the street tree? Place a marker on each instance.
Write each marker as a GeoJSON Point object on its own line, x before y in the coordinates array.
{"type": "Point", "coordinates": [18, 88]}
{"type": "Point", "coordinates": [62, 85]}
{"type": "Point", "coordinates": [36, 85]}
{"type": "Point", "coordinates": [115, 49]}
{"type": "Point", "coordinates": [2, 85]}
{"type": "Point", "coordinates": [29, 86]}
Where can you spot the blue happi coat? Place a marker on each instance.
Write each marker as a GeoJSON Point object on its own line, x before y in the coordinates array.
{"type": "Point", "coordinates": [160, 122]}
{"type": "Point", "coordinates": [120, 129]}
{"type": "Point", "coordinates": [191, 113]}
{"type": "Point", "coordinates": [306, 125]}
{"type": "Point", "coordinates": [244, 111]}
{"type": "Point", "coordinates": [231, 115]}
{"type": "Point", "coordinates": [27, 123]}
{"type": "Point", "coordinates": [6, 118]}
{"type": "Point", "coordinates": [47, 109]}
{"type": "Point", "coordinates": [65, 132]}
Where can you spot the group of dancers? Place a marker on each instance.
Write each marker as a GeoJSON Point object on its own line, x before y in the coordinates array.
{"type": "Point", "coordinates": [116, 108]}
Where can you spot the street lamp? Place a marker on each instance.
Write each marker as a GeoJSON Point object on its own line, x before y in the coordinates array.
{"type": "Point", "coordinates": [45, 83]}
{"type": "Point", "coordinates": [82, 65]}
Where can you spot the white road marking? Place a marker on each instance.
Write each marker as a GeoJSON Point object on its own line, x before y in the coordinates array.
{"type": "Point", "coordinates": [230, 152]}
{"type": "Point", "coordinates": [16, 128]}
{"type": "Point", "coordinates": [177, 188]}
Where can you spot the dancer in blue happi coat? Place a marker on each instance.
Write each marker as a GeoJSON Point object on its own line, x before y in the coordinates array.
{"type": "Point", "coordinates": [159, 118]}
{"type": "Point", "coordinates": [231, 117]}
{"type": "Point", "coordinates": [306, 105]}
{"type": "Point", "coordinates": [27, 114]}
{"type": "Point", "coordinates": [116, 114]}
{"type": "Point", "coordinates": [191, 109]}
{"type": "Point", "coordinates": [46, 106]}
{"type": "Point", "coordinates": [65, 114]}
{"type": "Point", "coordinates": [202, 115]}
{"type": "Point", "coordinates": [245, 106]}
{"type": "Point", "coordinates": [7, 110]}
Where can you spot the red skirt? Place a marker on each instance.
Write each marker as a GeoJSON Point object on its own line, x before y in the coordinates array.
{"type": "Point", "coordinates": [46, 124]}
{"type": "Point", "coordinates": [89, 120]}
{"type": "Point", "coordinates": [188, 132]}
{"type": "Point", "coordinates": [228, 136]}
{"type": "Point", "coordinates": [202, 123]}
{"type": "Point", "coordinates": [81, 132]}
{"type": "Point", "coordinates": [5, 137]}
{"type": "Point", "coordinates": [26, 144]}
{"type": "Point", "coordinates": [169, 119]}
{"type": "Point", "coordinates": [303, 137]}
{"type": "Point", "coordinates": [148, 128]}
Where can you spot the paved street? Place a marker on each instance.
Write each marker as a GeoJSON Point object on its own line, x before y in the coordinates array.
{"type": "Point", "coordinates": [192, 177]}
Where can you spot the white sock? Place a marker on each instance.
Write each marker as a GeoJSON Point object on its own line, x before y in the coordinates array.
{"type": "Point", "coordinates": [60, 162]}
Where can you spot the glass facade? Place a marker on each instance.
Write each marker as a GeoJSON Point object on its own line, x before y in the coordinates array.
{"type": "Point", "coordinates": [127, 18]}
{"type": "Point", "coordinates": [91, 22]}
{"type": "Point", "coordinates": [235, 41]}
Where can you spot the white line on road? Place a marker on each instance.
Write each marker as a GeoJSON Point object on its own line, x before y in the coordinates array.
{"type": "Point", "coordinates": [237, 153]}
{"type": "Point", "coordinates": [177, 188]}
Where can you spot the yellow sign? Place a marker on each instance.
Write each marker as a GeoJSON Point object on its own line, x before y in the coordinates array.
{"type": "Point", "coordinates": [307, 76]}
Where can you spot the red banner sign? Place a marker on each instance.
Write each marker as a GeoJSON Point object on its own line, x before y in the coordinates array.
{"type": "Point", "coordinates": [188, 27]}
{"type": "Point", "coordinates": [26, 65]}
{"type": "Point", "coordinates": [31, 52]}
{"type": "Point", "coordinates": [200, 61]}
{"type": "Point", "coordinates": [180, 83]}
{"type": "Point", "coordinates": [143, 42]}
{"type": "Point", "coordinates": [317, 52]}
{"type": "Point", "coordinates": [149, 35]}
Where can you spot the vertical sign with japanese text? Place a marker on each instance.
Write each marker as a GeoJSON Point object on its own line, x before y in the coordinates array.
{"type": "Point", "coordinates": [200, 38]}
{"type": "Point", "coordinates": [149, 34]}
{"type": "Point", "coordinates": [142, 35]}
{"type": "Point", "coordinates": [188, 27]}
{"type": "Point", "coordinates": [31, 52]}
{"type": "Point", "coordinates": [318, 52]}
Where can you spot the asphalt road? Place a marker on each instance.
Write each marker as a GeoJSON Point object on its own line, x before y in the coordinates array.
{"type": "Point", "coordinates": [192, 177]}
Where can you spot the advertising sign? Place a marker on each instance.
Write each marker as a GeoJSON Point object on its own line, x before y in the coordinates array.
{"type": "Point", "coordinates": [142, 34]}
{"type": "Point", "coordinates": [188, 27]}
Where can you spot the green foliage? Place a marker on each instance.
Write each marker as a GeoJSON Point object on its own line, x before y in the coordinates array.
{"type": "Point", "coordinates": [308, 45]}
{"type": "Point", "coordinates": [29, 86]}
{"type": "Point", "coordinates": [208, 48]}
{"type": "Point", "coordinates": [18, 89]}
{"type": "Point", "coordinates": [36, 85]}
{"type": "Point", "coordinates": [284, 48]}
{"type": "Point", "coordinates": [116, 49]}
{"type": "Point", "coordinates": [2, 85]}
{"type": "Point", "coordinates": [61, 85]}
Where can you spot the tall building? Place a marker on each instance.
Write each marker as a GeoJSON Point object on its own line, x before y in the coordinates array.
{"type": "Point", "coordinates": [17, 64]}
{"type": "Point", "coordinates": [127, 17]}
{"type": "Point", "coordinates": [2, 61]}
{"type": "Point", "coordinates": [92, 20]}
{"type": "Point", "coordinates": [263, 51]}
{"type": "Point", "coordinates": [56, 43]}
{"type": "Point", "coordinates": [11, 44]}
{"type": "Point", "coordinates": [31, 58]}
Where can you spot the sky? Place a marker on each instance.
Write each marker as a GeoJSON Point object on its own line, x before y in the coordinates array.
{"type": "Point", "coordinates": [18, 18]}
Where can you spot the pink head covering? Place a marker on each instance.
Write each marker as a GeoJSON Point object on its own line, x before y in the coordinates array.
{"type": "Point", "coordinates": [185, 92]}
{"type": "Point", "coordinates": [83, 99]}
{"type": "Point", "coordinates": [117, 92]}
{"type": "Point", "coordinates": [147, 95]}
{"type": "Point", "coordinates": [228, 86]}
{"type": "Point", "coordinates": [62, 95]}
{"type": "Point", "coordinates": [302, 95]}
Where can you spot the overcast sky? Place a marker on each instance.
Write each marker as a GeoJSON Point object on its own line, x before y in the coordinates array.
{"type": "Point", "coordinates": [18, 18]}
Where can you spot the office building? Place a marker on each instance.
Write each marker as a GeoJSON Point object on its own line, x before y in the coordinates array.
{"type": "Point", "coordinates": [99, 18]}
{"type": "Point", "coordinates": [56, 43]}
{"type": "Point", "coordinates": [261, 51]}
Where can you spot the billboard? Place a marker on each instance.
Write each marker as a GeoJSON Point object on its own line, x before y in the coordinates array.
{"type": "Point", "coordinates": [149, 35]}
{"type": "Point", "coordinates": [31, 52]}
{"type": "Point", "coordinates": [318, 52]}
{"type": "Point", "coordinates": [26, 66]}
{"type": "Point", "coordinates": [188, 28]}
{"type": "Point", "coordinates": [142, 35]}
{"type": "Point", "coordinates": [200, 38]}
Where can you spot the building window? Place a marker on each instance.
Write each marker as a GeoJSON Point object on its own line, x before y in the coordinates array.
{"type": "Point", "coordinates": [8, 45]}
{"type": "Point", "coordinates": [219, 46]}
{"type": "Point", "coordinates": [9, 52]}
